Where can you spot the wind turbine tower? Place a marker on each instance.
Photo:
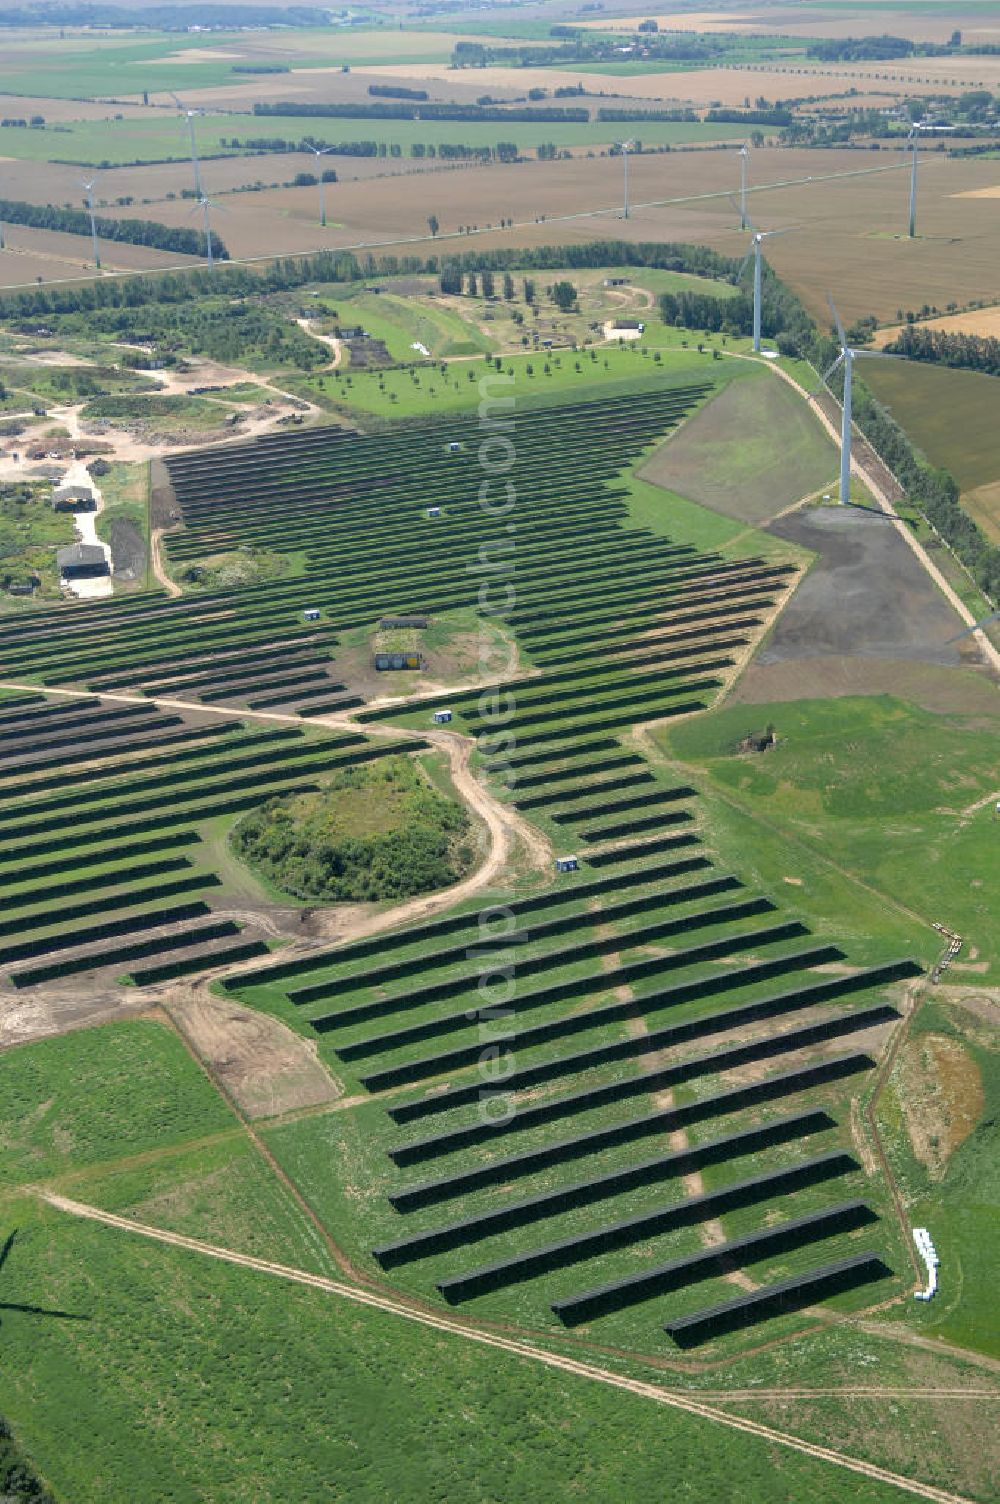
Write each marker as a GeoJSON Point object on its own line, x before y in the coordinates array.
{"type": "Point", "coordinates": [625, 148]}
{"type": "Point", "coordinates": [848, 355]}
{"type": "Point", "coordinates": [320, 151]}
{"type": "Point", "coordinates": [914, 139]}
{"type": "Point", "coordinates": [190, 115]}
{"type": "Point", "coordinates": [88, 189]}
{"type": "Point", "coordinates": [205, 204]}
{"type": "Point", "coordinates": [744, 168]}
{"type": "Point", "coordinates": [757, 239]}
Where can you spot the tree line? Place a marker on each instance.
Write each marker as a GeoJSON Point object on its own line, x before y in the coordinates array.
{"type": "Point", "coordinates": [287, 273]}
{"type": "Point", "coordinates": [447, 151]}
{"type": "Point", "coordinates": [396, 91]}
{"type": "Point", "coordinates": [936, 492]}
{"type": "Point", "coordinates": [390, 110]}
{"type": "Point", "coordinates": [774, 116]}
{"type": "Point", "coordinates": [149, 232]}
{"type": "Point", "coordinates": [970, 352]}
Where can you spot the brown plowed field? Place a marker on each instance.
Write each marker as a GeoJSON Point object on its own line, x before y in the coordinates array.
{"type": "Point", "coordinates": [840, 221]}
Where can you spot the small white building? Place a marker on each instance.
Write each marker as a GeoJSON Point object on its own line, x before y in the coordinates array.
{"type": "Point", "coordinates": [442, 717]}
{"type": "Point", "coordinates": [928, 1253]}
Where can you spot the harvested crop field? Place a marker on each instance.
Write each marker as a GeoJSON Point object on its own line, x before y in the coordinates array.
{"type": "Point", "coordinates": [727, 86]}
{"type": "Point", "coordinates": [52, 255]}
{"type": "Point", "coordinates": [982, 321]}
{"type": "Point", "coordinates": [920, 23]}
{"type": "Point", "coordinates": [150, 184]}
{"type": "Point", "coordinates": [785, 455]}
{"type": "Point", "coordinates": [843, 204]}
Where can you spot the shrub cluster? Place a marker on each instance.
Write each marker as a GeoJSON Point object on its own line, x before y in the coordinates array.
{"type": "Point", "coordinates": [372, 832]}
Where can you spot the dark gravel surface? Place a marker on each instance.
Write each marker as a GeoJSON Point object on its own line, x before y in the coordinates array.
{"type": "Point", "coordinates": [865, 597]}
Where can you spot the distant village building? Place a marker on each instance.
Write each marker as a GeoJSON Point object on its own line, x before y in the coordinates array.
{"type": "Point", "coordinates": [82, 561]}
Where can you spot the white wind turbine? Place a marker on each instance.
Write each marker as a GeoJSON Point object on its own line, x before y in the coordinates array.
{"type": "Point", "coordinates": [319, 151]}
{"type": "Point", "coordinates": [848, 355]}
{"type": "Point", "coordinates": [914, 139]}
{"type": "Point", "coordinates": [88, 189]}
{"type": "Point", "coordinates": [190, 116]}
{"type": "Point", "coordinates": [205, 204]}
{"type": "Point", "coordinates": [625, 147]}
{"type": "Point", "coordinates": [744, 167]}
{"type": "Point", "coordinates": [757, 239]}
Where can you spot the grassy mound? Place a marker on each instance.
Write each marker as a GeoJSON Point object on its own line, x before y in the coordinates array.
{"type": "Point", "coordinates": [244, 566]}
{"type": "Point", "coordinates": [378, 831]}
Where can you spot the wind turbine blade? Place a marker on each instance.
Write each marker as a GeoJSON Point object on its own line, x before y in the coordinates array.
{"type": "Point", "coordinates": [745, 217]}
{"type": "Point", "coordinates": [836, 319]}
{"type": "Point", "coordinates": [785, 230]}
{"type": "Point", "coordinates": [976, 627]}
{"type": "Point", "coordinates": [830, 369]}
{"type": "Point", "coordinates": [743, 265]}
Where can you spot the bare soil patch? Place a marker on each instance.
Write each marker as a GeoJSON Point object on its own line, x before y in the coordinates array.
{"type": "Point", "coordinates": [60, 1007]}
{"type": "Point", "coordinates": [941, 1092]}
{"type": "Point", "coordinates": [128, 550]}
{"type": "Point", "coordinates": [264, 1067]}
{"type": "Point", "coordinates": [942, 690]}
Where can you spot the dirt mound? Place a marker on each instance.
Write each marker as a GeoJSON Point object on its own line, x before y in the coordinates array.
{"type": "Point", "coordinates": [941, 1092]}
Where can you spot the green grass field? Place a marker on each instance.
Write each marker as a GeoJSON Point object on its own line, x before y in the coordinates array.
{"type": "Point", "coordinates": [120, 65]}
{"type": "Point", "coordinates": [895, 797]}
{"type": "Point", "coordinates": [109, 143]}
{"type": "Point", "coordinates": [750, 453]}
{"type": "Point", "coordinates": [960, 1202]}
{"type": "Point", "coordinates": [404, 323]}
{"type": "Point", "coordinates": [190, 1379]}
{"type": "Point", "coordinates": [540, 378]}
{"type": "Point", "coordinates": [82, 1098]}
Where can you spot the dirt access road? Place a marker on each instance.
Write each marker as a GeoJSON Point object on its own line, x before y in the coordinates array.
{"type": "Point", "coordinates": [520, 1349]}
